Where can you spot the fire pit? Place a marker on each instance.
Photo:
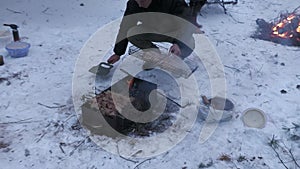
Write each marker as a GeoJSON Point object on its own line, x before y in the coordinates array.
{"type": "Point", "coordinates": [100, 111]}
{"type": "Point", "coordinates": [284, 30]}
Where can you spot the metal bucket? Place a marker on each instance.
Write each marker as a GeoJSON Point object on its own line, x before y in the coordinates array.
{"type": "Point", "coordinates": [218, 110]}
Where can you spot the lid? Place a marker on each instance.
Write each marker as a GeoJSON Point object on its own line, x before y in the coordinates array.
{"type": "Point", "coordinates": [254, 118]}
{"type": "Point", "coordinates": [17, 45]}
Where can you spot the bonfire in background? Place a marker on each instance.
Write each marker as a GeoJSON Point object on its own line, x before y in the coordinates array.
{"type": "Point", "coordinates": [284, 30]}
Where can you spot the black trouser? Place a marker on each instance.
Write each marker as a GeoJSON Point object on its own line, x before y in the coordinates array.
{"type": "Point", "coordinates": [143, 38]}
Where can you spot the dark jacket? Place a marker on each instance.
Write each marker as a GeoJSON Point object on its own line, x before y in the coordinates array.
{"type": "Point", "coordinates": [173, 7]}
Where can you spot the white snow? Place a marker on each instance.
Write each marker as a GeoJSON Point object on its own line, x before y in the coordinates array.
{"type": "Point", "coordinates": [38, 121]}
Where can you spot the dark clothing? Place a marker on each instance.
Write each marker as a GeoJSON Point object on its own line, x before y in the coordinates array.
{"type": "Point", "coordinates": [174, 7]}
{"type": "Point", "coordinates": [144, 40]}
{"type": "Point", "coordinates": [196, 6]}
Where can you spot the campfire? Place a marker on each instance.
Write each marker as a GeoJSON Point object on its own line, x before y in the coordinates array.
{"type": "Point", "coordinates": [284, 30]}
{"type": "Point", "coordinates": [139, 91]}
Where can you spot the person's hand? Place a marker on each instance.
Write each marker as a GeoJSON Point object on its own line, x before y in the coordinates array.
{"type": "Point", "coordinates": [175, 50]}
{"type": "Point", "coordinates": [113, 59]}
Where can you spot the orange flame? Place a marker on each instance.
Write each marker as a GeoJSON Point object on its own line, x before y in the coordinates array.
{"type": "Point", "coordinates": [281, 25]}
{"type": "Point", "coordinates": [291, 17]}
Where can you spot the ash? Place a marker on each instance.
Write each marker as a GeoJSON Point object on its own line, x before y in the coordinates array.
{"type": "Point", "coordinates": [162, 123]}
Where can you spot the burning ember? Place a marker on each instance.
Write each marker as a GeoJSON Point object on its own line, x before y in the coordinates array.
{"type": "Point", "coordinates": [284, 30]}
{"type": "Point", "coordinates": [288, 27]}
{"type": "Point", "coordinates": [139, 91]}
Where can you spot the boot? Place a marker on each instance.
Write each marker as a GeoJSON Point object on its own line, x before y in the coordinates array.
{"type": "Point", "coordinates": [194, 21]}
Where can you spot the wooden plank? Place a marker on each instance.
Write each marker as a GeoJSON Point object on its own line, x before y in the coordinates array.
{"type": "Point", "coordinates": [165, 61]}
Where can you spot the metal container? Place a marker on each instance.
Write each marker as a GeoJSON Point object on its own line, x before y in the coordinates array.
{"type": "Point", "coordinates": [254, 118]}
{"type": "Point", "coordinates": [217, 109]}
{"type": "Point", "coordinates": [18, 49]}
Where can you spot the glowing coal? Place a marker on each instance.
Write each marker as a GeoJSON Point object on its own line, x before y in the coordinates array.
{"type": "Point", "coordinates": [284, 30]}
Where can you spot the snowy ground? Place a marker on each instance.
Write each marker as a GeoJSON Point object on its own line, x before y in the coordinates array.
{"type": "Point", "coordinates": [38, 125]}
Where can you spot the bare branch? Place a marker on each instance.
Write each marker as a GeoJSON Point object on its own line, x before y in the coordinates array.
{"type": "Point", "coordinates": [236, 69]}
{"type": "Point", "coordinates": [124, 157]}
{"type": "Point", "coordinates": [77, 146]}
{"type": "Point", "coordinates": [13, 11]}
{"type": "Point", "coordinates": [52, 107]}
{"type": "Point", "coordinates": [141, 163]}
{"type": "Point", "coordinates": [20, 121]}
{"type": "Point", "coordinates": [278, 156]}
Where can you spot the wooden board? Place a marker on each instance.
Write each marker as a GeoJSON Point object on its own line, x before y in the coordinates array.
{"type": "Point", "coordinates": [166, 61]}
